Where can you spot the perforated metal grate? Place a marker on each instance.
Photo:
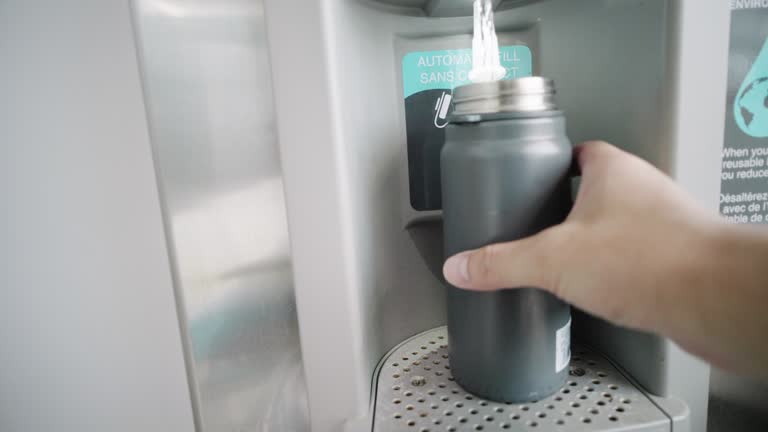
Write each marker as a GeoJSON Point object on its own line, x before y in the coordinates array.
{"type": "Point", "coordinates": [416, 392]}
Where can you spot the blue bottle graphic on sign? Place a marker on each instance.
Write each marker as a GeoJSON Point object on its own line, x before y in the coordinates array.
{"type": "Point", "coordinates": [750, 107]}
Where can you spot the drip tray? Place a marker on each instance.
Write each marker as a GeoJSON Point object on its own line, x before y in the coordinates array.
{"type": "Point", "coordinates": [416, 392]}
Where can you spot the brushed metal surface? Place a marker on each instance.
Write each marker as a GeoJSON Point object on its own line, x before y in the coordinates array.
{"type": "Point", "coordinates": [89, 340]}
{"type": "Point", "coordinates": [208, 90]}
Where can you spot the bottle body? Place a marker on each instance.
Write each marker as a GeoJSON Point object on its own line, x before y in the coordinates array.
{"type": "Point", "coordinates": [504, 178]}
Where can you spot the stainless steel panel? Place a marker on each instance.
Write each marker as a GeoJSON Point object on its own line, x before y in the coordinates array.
{"type": "Point", "coordinates": [209, 94]}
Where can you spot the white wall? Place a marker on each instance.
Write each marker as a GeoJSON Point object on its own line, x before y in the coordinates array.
{"type": "Point", "coordinates": [89, 334]}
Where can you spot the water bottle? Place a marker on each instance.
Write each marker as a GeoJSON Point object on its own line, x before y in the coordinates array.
{"type": "Point", "coordinates": [505, 176]}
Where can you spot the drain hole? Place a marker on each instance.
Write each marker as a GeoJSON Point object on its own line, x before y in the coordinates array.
{"type": "Point", "coordinates": [596, 382]}
{"type": "Point", "coordinates": [566, 391]}
{"type": "Point", "coordinates": [532, 424]}
{"type": "Point", "coordinates": [582, 397]}
{"type": "Point", "coordinates": [473, 411]}
{"type": "Point", "coordinates": [515, 417]}
{"type": "Point", "coordinates": [445, 398]}
{"type": "Point", "coordinates": [506, 425]}
{"type": "Point", "coordinates": [437, 421]}
{"type": "Point", "coordinates": [589, 389]}
{"type": "Point", "coordinates": [443, 346]}
{"type": "Point", "coordinates": [448, 413]}
{"type": "Point", "coordinates": [626, 401]}
{"type": "Point", "coordinates": [524, 408]}
{"type": "Point", "coordinates": [620, 409]}
{"type": "Point", "coordinates": [432, 342]}
{"type": "Point", "coordinates": [560, 422]}
{"type": "Point", "coordinates": [398, 416]}
{"type": "Point", "coordinates": [468, 397]}
{"type": "Point", "coordinates": [395, 364]}
{"type": "Point", "coordinates": [568, 413]}
{"type": "Point", "coordinates": [396, 376]}
{"type": "Point", "coordinates": [411, 423]}
{"type": "Point", "coordinates": [423, 347]}
{"type": "Point", "coordinates": [478, 427]}
{"type": "Point", "coordinates": [602, 374]}
{"type": "Point", "coordinates": [425, 357]}
{"type": "Point", "coordinates": [423, 414]}
{"type": "Point", "coordinates": [613, 418]}
{"type": "Point", "coordinates": [424, 430]}
{"type": "Point", "coordinates": [396, 388]}
{"type": "Point", "coordinates": [434, 406]}
{"type": "Point", "coordinates": [451, 378]}
{"type": "Point", "coordinates": [415, 353]}
{"type": "Point", "coordinates": [454, 391]}
{"type": "Point", "coordinates": [431, 392]}
{"type": "Point", "coordinates": [396, 401]}
{"type": "Point", "coordinates": [499, 409]}
{"type": "Point", "coordinates": [462, 419]}
{"type": "Point", "coordinates": [489, 418]}
{"type": "Point", "coordinates": [575, 404]}
{"type": "Point", "coordinates": [541, 415]}
{"type": "Point", "coordinates": [409, 407]}
{"type": "Point", "coordinates": [405, 358]}
{"type": "Point", "coordinates": [550, 407]}
{"type": "Point", "coordinates": [607, 395]}
{"type": "Point", "coordinates": [458, 404]}
{"type": "Point", "coordinates": [483, 403]}
{"type": "Point", "coordinates": [586, 420]}
{"type": "Point", "coordinates": [451, 429]}
{"type": "Point", "coordinates": [438, 373]}
{"type": "Point", "coordinates": [594, 411]}
{"type": "Point", "coordinates": [441, 385]}
{"type": "Point", "coordinates": [572, 383]}
{"type": "Point", "coordinates": [427, 368]}
{"type": "Point", "coordinates": [416, 362]}
{"type": "Point", "coordinates": [408, 393]}
{"type": "Point", "coordinates": [558, 398]}
{"type": "Point", "coordinates": [601, 403]}
{"type": "Point", "coordinates": [441, 337]}
{"type": "Point", "coordinates": [420, 400]}
{"type": "Point", "coordinates": [406, 369]}
{"type": "Point", "coordinates": [445, 356]}
{"type": "Point", "coordinates": [436, 361]}
{"type": "Point", "coordinates": [613, 387]}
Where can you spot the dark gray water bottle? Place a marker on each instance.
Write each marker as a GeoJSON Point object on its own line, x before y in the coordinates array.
{"type": "Point", "coordinates": [505, 176]}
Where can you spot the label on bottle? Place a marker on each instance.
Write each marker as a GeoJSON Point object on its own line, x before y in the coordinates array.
{"type": "Point", "coordinates": [563, 347]}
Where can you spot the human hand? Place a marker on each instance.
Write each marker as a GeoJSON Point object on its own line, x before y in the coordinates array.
{"type": "Point", "coordinates": [637, 251]}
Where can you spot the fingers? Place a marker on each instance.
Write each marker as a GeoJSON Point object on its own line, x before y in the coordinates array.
{"type": "Point", "coordinates": [532, 262]}
{"type": "Point", "coordinates": [592, 153]}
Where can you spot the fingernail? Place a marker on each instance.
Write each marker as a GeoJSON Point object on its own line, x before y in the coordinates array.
{"type": "Point", "coordinates": [456, 270]}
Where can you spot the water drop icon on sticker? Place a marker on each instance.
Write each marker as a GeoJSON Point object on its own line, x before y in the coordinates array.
{"type": "Point", "coordinates": [750, 108]}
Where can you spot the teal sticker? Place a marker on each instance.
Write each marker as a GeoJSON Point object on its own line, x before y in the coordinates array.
{"type": "Point", "coordinates": [448, 69]}
{"type": "Point", "coordinates": [751, 103]}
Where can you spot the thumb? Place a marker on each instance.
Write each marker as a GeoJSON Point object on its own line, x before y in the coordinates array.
{"type": "Point", "coordinates": [532, 262]}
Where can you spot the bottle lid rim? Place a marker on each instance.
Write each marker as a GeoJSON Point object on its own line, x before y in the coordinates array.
{"type": "Point", "coordinates": [515, 95]}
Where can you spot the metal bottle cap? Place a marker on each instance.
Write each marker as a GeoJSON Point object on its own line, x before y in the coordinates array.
{"type": "Point", "coordinates": [527, 94]}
